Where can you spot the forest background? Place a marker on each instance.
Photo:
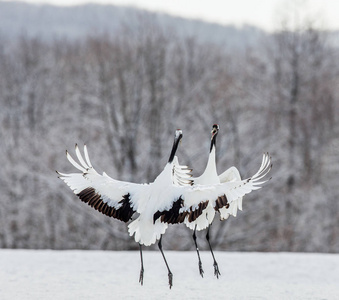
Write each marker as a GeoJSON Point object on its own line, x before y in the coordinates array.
{"type": "Point", "coordinates": [122, 80]}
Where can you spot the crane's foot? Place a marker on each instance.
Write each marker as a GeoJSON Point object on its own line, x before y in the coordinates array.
{"type": "Point", "coordinates": [216, 269]}
{"type": "Point", "coordinates": [170, 279]}
{"type": "Point", "coordinates": [141, 278]}
{"type": "Point", "coordinates": [201, 271]}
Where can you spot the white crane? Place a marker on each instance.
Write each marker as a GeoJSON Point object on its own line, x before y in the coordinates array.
{"type": "Point", "coordinates": [210, 176]}
{"type": "Point", "coordinates": [226, 204]}
{"type": "Point", "coordinates": [169, 199]}
{"type": "Point", "coordinates": [120, 200]}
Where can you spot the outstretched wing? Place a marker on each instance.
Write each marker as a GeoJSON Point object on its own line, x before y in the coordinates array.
{"type": "Point", "coordinates": [181, 174]}
{"type": "Point", "coordinates": [105, 194]}
{"type": "Point", "coordinates": [195, 198]}
{"type": "Point", "coordinates": [231, 174]}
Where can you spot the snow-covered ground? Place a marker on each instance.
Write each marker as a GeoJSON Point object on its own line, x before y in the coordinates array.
{"type": "Point", "coordinates": [32, 274]}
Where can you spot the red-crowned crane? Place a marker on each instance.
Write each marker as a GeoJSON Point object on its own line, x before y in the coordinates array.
{"type": "Point", "coordinates": [170, 199]}
{"type": "Point", "coordinates": [210, 176]}
{"type": "Point", "coordinates": [121, 200]}
{"type": "Point", "coordinates": [226, 204]}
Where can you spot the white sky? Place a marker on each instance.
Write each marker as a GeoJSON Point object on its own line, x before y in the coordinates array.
{"type": "Point", "coordinates": [262, 13]}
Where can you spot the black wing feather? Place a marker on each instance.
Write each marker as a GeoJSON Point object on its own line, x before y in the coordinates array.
{"type": "Point", "coordinates": [123, 213]}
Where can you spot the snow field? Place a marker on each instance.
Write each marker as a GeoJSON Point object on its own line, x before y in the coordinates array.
{"type": "Point", "coordinates": [48, 274]}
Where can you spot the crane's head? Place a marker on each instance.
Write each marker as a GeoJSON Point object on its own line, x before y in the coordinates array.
{"type": "Point", "coordinates": [177, 139]}
{"type": "Point", "coordinates": [215, 130]}
{"type": "Point", "coordinates": [178, 135]}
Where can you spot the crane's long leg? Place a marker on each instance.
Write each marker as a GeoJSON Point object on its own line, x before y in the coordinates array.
{"type": "Point", "coordinates": [196, 247]}
{"type": "Point", "coordinates": [170, 275]}
{"type": "Point", "coordinates": [215, 264]}
{"type": "Point", "coordinates": [141, 278]}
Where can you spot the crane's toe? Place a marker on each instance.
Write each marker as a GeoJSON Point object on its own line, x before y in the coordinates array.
{"type": "Point", "coordinates": [216, 269]}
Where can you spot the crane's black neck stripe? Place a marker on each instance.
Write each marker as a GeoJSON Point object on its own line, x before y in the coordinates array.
{"type": "Point", "coordinates": [174, 148]}
{"type": "Point", "coordinates": [213, 140]}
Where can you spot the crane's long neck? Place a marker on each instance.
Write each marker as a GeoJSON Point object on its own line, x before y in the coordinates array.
{"type": "Point", "coordinates": [174, 149]}
{"type": "Point", "coordinates": [210, 173]}
{"type": "Point", "coordinates": [211, 165]}
{"type": "Point", "coordinates": [165, 176]}
{"type": "Point", "coordinates": [213, 141]}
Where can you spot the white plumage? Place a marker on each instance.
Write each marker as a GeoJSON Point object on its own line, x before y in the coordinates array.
{"type": "Point", "coordinates": [156, 196]}
{"type": "Point", "coordinates": [231, 174]}
{"type": "Point", "coordinates": [194, 199]}
{"type": "Point", "coordinates": [169, 199]}
{"type": "Point", "coordinates": [121, 200]}
{"type": "Point", "coordinates": [211, 177]}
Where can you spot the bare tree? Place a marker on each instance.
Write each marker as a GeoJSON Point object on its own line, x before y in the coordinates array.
{"type": "Point", "coordinates": [125, 94]}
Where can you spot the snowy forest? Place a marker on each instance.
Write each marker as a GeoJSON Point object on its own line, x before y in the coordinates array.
{"type": "Point", "coordinates": [124, 93]}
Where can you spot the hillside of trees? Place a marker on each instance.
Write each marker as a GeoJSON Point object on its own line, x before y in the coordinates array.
{"type": "Point", "coordinates": [48, 22]}
{"type": "Point", "coordinates": [124, 93]}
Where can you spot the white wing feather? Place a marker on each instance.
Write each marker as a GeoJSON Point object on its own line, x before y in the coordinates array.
{"type": "Point", "coordinates": [231, 174]}
{"type": "Point", "coordinates": [181, 174]}
{"type": "Point", "coordinates": [87, 157]}
{"type": "Point", "coordinates": [169, 202]}
{"type": "Point", "coordinates": [233, 191]}
{"type": "Point", "coordinates": [109, 190]}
